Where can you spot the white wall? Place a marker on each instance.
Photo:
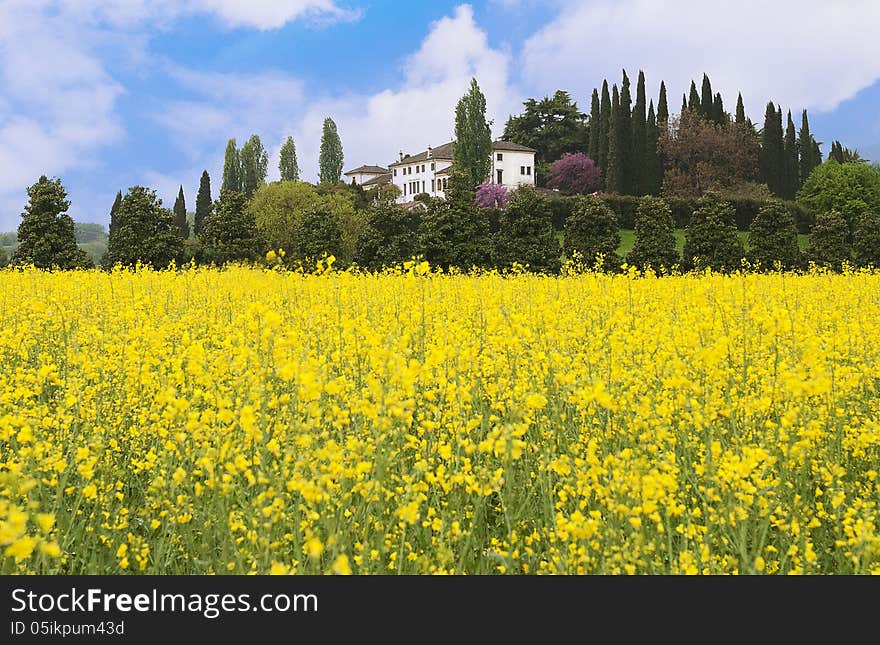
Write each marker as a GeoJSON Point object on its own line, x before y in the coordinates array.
{"type": "Point", "coordinates": [511, 166]}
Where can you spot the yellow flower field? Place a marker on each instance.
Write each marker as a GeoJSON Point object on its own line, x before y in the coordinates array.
{"type": "Point", "coordinates": [262, 421]}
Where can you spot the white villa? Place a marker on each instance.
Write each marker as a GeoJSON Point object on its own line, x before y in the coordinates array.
{"type": "Point", "coordinates": [428, 172]}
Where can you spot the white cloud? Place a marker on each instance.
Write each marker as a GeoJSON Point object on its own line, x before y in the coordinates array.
{"type": "Point", "coordinates": [798, 54]}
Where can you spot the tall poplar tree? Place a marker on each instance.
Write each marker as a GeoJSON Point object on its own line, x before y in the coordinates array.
{"type": "Point", "coordinates": [638, 179]}
{"type": "Point", "coordinates": [595, 127]}
{"type": "Point", "coordinates": [740, 110]}
{"type": "Point", "coordinates": [605, 127]}
{"type": "Point", "coordinates": [288, 166]}
{"type": "Point", "coordinates": [231, 168]}
{"type": "Point", "coordinates": [790, 174]}
{"type": "Point", "coordinates": [204, 203]}
{"type": "Point", "coordinates": [330, 157]}
{"type": "Point", "coordinates": [472, 153]}
{"type": "Point", "coordinates": [180, 214]}
{"type": "Point", "coordinates": [254, 165]}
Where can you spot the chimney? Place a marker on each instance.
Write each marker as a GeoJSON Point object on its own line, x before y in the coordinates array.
{"type": "Point", "coordinates": [401, 155]}
{"type": "Point", "coordinates": [430, 152]}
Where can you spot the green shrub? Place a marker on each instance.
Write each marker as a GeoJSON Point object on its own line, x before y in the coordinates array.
{"type": "Point", "coordinates": [773, 237]}
{"type": "Point", "coordinates": [525, 234]}
{"type": "Point", "coordinates": [591, 230]}
{"type": "Point", "coordinates": [655, 240]}
{"type": "Point", "coordinates": [828, 241]}
{"type": "Point", "coordinates": [710, 237]}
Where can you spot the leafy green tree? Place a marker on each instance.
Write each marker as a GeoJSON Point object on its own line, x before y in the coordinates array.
{"type": "Point", "coordinates": [616, 157]}
{"type": "Point", "coordinates": [473, 138]}
{"type": "Point", "coordinates": [848, 188]}
{"type": "Point", "coordinates": [230, 234]}
{"type": "Point", "coordinates": [454, 232]}
{"type": "Point", "coordinates": [145, 232]}
{"type": "Point", "coordinates": [718, 113]}
{"type": "Point", "coordinates": [552, 126]}
{"type": "Point", "coordinates": [710, 239]}
{"type": "Point", "coordinates": [653, 163]}
{"type": "Point", "coordinates": [277, 209]}
{"type": "Point", "coordinates": [605, 111]}
{"type": "Point", "coordinates": [232, 179]}
{"type": "Point", "coordinates": [4, 260]}
{"type": "Point", "coordinates": [318, 235]}
{"type": "Point", "coordinates": [254, 165]}
{"type": "Point", "coordinates": [46, 236]}
{"type": "Point", "coordinates": [289, 166]}
{"type": "Point", "coordinates": [790, 170]}
{"type": "Point", "coordinates": [707, 104]}
{"type": "Point", "coordinates": [180, 214]}
{"type": "Point", "coordinates": [640, 174]}
{"type": "Point", "coordinates": [866, 239]}
{"type": "Point", "coordinates": [595, 126]}
{"type": "Point", "coordinates": [694, 100]}
{"type": "Point", "coordinates": [590, 230]}
{"type": "Point", "coordinates": [773, 237]}
{"type": "Point", "coordinates": [740, 110]}
{"type": "Point", "coordinates": [772, 151]}
{"type": "Point", "coordinates": [390, 237]}
{"type": "Point", "coordinates": [829, 245]}
{"type": "Point", "coordinates": [662, 107]}
{"type": "Point", "coordinates": [525, 233]}
{"type": "Point", "coordinates": [204, 203]}
{"type": "Point", "coordinates": [808, 152]}
{"type": "Point", "coordinates": [623, 134]}
{"type": "Point", "coordinates": [842, 154]}
{"type": "Point", "coordinates": [330, 157]}
{"type": "Point", "coordinates": [655, 239]}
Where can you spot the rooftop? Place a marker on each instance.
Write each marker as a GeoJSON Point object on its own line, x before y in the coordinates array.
{"type": "Point", "coordinates": [368, 170]}
{"type": "Point", "coordinates": [444, 152]}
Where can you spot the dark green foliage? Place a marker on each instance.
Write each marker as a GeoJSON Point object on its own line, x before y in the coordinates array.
{"type": "Point", "coordinates": [552, 126]}
{"type": "Point", "coordinates": [595, 127]}
{"type": "Point", "coordinates": [616, 155]}
{"type": "Point", "coordinates": [624, 135]}
{"type": "Point", "coordinates": [740, 110]}
{"type": "Point", "coordinates": [866, 239]}
{"type": "Point", "coordinates": [605, 109]}
{"type": "Point", "coordinates": [330, 157]}
{"type": "Point", "coordinates": [808, 150]}
{"type": "Point", "coordinates": [624, 207]}
{"type": "Point", "coordinates": [180, 214]}
{"type": "Point", "coordinates": [710, 237]}
{"type": "Point", "coordinates": [591, 230]}
{"type": "Point", "coordinates": [828, 240]}
{"type": "Point", "coordinates": [772, 151]}
{"type": "Point", "coordinates": [842, 154]}
{"type": "Point", "coordinates": [254, 165]}
{"type": "Point", "coordinates": [391, 236]}
{"type": "Point", "coordinates": [655, 241]}
{"type": "Point", "coordinates": [718, 114]}
{"type": "Point", "coordinates": [454, 232]}
{"type": "Point", "coordinates": [652, 177]}
{"type": "Point", "coordinates": [639, 174]}
{"type": "Point", "coordinates": [145, 232]}
{"type": "Point", "coordinates": [473, 138]}
{"type": "Point", "coordinates": [4, 260]}
{"type": "Point", "coordinates": [790, 170]}
{"type": "Point", "coordinates": [113, 209]}
{"type": "Point", "coordinates": [230, 233]}
{"type": "Point", "coordinates": [684, 103]}
{"type": "Point", "coordinates": [319, 235]}
{"type": "Point", "coordinates": [288, 166]}
{"type": "Point", "coordinates": [662, 106]}
{"type": "Point", "coordinates": [773, 237]}
{"type": "Point", "coordinates": [706, 102]}
{"type": "Point", "coordinates": [231, 168]}
{"type": "Point", "coordinates": [204, 203]}
{"type": "Point", "coordinates": [694, 99]}
{"type": "Point", "coordinates": [525, 234]}
{"type": "Point", "coordinates": [46, 236]}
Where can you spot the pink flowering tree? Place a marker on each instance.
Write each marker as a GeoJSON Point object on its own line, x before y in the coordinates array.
{"type": "Point", "coordinates": [490, 195]}
{"type": "Point", "coordinates": [574, 174]}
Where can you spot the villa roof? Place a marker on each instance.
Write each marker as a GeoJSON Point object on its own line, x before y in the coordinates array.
{"type": "Point", "coordinates": [510, 145]}
{"type": "Point", "coordinates": [444, 152]}
{"type": "Point", "coordinates": [368, 170]}
{"type": "Point", "coordinates": [378, 179]}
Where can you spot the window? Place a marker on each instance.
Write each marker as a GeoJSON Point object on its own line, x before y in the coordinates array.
{"type": "Point", "coordinates": [528, 170]}
{"type": "Point", "coordinates": [522, 170]}
{"type": "Point", "coordinates": [500, 180]}
{"type": "Point", "coordinates": [423, 186]}
{"type": "Point", "coordinates": [432, 166]}
{"type": "Point", "coordinates": [433, 184]}
{"type": "Point", "coordinates": [404, 190]}
{"type": "Point", "coordinates": [395, 172]}
{"type": "Point", "coordinates": [423, 167]}
{"type": "Point", "coordinates": [499, 157]}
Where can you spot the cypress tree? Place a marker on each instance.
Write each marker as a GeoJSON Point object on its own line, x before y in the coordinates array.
{"type": "Point", "coordinates": [288, 165]}
{"type": "Point", "coordinates": [231, 168]}
{"type": "Point", "coordinates": [230, 233]}
{"type": "Point", "coordinates": [684, 103]}
{"type": "Point", "coordinates": [718, 109]}
{"type": "Point", "coordinates": [605, 110]}
{"type": "Point", "coordinates": [614, 174]}
{"type": "Point", "coordinates": [145, 231]}
{"type": "Point", "coordinates": [662, 107]}
{"type": "Point", "coordinates": [46, 236]}
{"type": "Point", "coordinates": [707, 104]}
{"type": "Point", "coordinates": [772, 150]}
{"type": "Point", "coordinates": [806, 151]}
{"type": "Point", "coordinates": [653, 164]}
{"type": "Point", "coordinates": [790, 161]}
{"type": "Point", "coordinates": [330, 157]}
{"type": "Point", "coordinates": [694, 99]}
{"type": "Point", "coordinates": [625, 136]}
{"type": "Point", "coordinates": [204, 203]}
{"type": "Point", "coordinates": [113, 209]}
{"type": "Point", "coordinates": [180, 214]}
{"type": "Point", "coordinates": [638, 181]}
{"type": "Point", "coordinates": [595, 126]}
{"type": "Point", "coordinates": [740, 109]}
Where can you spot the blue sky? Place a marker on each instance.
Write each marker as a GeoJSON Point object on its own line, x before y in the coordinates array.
{"type": "Point", "coordinates": [106, 94]}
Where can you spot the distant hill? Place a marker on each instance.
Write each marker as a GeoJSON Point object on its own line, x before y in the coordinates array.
{"type": "Point", "coordinates": [90, 237]}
